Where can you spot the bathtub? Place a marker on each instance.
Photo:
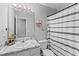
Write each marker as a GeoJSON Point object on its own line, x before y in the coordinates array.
{"type": "Point", "coordinates": [20, 48]}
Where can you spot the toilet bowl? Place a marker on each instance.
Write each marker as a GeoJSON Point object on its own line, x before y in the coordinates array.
{"type": "Point", "coordinates": [43, 47]}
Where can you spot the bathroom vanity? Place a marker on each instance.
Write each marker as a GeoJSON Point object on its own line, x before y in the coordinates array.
{"type": "Point", "coordinates": [28, 48]}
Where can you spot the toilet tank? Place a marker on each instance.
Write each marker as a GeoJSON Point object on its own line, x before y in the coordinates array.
{"type": "Point", "coordinates": [43, 44]}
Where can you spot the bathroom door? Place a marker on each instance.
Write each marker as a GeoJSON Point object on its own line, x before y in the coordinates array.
{"type": "Point", "coordinates": [20, 27]}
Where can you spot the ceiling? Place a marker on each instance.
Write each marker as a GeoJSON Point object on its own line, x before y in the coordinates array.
{"type": "Point", "coordinates": [57, 6]}
{"type": "Point", "coordinates": [45, 9]}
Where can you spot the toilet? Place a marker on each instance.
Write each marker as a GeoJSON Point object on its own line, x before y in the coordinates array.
{"type": "Point", "coordinates": [43, 47]}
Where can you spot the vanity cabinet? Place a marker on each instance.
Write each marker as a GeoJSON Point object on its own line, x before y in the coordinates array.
{"type": "Point", "coordinates": [30, 52]}
{"type": "Point", "coordinates": [34, 51]}
{"type": "Point", "coordinates": [24, 53]}
{"type": "Point", "coordinates": [11, 54]}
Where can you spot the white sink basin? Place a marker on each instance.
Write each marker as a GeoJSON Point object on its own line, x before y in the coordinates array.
{"type": "Point", "coordinates": [22, 45]}
{"type": "Point", "coordinates": [18, 45]}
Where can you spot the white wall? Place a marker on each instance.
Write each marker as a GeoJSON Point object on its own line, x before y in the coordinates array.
{"type": "Point", "coordinates": [11, 19]}
{"type": "Point", "coordinates": [3, 22]}
{"type": "Point", "coordinates": [41, 13]}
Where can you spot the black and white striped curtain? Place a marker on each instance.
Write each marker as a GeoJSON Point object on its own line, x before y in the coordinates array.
{"type": "Point", "coordinates": [63, 31]}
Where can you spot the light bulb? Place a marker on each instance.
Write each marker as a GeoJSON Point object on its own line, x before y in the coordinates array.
{"type": "Point", "coordinates": [14, 5]}
{"type": "Point", "coordinates": [20, 6]}
{"type": "Point", "coordinates": [29, 9]}
{"type": "Point", "coordinates": [24, 7]}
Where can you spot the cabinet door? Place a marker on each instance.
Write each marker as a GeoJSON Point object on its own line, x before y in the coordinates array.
{"type": "Point", "coordinates": [11, 54]}
{"type": "Point", "coordinates": [24, 53]}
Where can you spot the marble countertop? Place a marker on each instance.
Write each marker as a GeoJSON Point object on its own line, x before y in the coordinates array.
{"type": "Point", "coordinates": [18, 46]}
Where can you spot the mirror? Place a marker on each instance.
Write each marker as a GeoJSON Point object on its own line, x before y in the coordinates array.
{"type": "Point", "coordinates": [20, 27]}
{"type": "Point", "coordinates": [21, 23]}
